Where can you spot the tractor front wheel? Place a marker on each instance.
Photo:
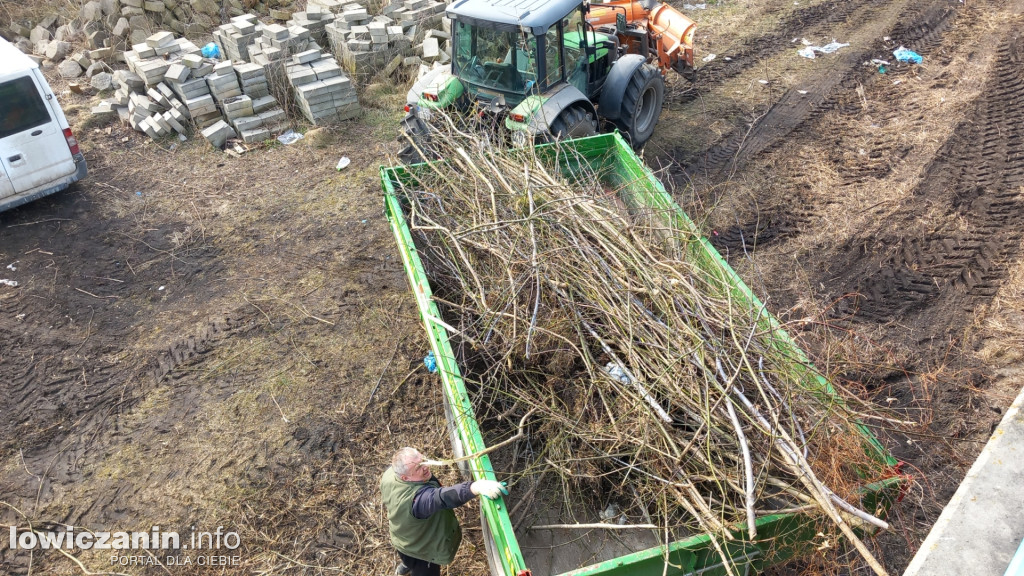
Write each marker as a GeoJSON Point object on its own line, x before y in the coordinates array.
{"type": "Point", "coordinates": [573, 122]}
{"type": "Point", "coordinates": [641, 105]}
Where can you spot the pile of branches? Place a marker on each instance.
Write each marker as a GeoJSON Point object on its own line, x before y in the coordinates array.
{"type": "Point", "coordinates": [633, 363]}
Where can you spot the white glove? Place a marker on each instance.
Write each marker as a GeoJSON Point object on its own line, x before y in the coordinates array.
{"type": "Point", "coordinates": [491, 489]}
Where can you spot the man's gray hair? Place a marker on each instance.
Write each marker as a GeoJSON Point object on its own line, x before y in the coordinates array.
{"type": "Point", "coordinates": [402, 462]}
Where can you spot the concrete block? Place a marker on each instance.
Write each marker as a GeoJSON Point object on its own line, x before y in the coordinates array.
{"type": "Point", "coordinates": [217, 135]}
{"type": "Point", "coordinates": [262, 104]}
{"type": "Point", "coordinates": [255, 135]}
{"type": "Point", "coordinates": [306, 57]}
{"type": "Point", "coordinates": [247, 123]}
{"type": "Point", "coordinates": [177, 73]}
{"type": "Point", "coordinates": [101, 54]}
{"type": "Point", "coordinates": [160, 39]}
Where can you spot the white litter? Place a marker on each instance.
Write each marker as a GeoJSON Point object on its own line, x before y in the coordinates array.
{"type": "Point", "coordinates": [801, 91]}
{"type": "Point", "coordinates": [805, 41]}
{"type": "Point", "coordinates": [896, 82]}
{"type": "Point", "coordinates": [160, 288]}
{"type": "Point", "coordinates": [877, 61]}
{"type": "Point", "coordinates": [829, 48]}
{"type": "Point", "coordinates": [11, 266]}
{"type": "Point", "coordinates": [727, 59]}
{"type": "Point", "coordinates": [10, 283]}
{"type": "Point", "coordinates": [695, 6]}
{"type": "Point", "coordinates": [343, 163]}
{"type": "Point", "coordinates": [708, 58]}
{"type": "Point", "coordinates": [763, 81]}
{"type": "Point", "coordinates": [289, 137]}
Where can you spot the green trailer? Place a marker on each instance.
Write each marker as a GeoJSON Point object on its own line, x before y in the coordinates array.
{"type": "Point", "coordinates": [780, 537]}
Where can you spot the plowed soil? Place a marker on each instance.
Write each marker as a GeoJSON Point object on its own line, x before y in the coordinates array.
{"type": "Point", "coordinates": [197, 340]}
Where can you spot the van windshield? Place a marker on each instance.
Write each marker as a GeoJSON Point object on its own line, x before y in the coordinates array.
{"type": "Point", "coordinates": [21, 107]}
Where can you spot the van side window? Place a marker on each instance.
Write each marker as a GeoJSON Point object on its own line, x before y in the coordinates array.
{"type": "Point", "coordinates": [21, 108]}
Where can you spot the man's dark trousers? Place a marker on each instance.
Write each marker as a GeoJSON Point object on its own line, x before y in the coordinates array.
{"type": "Point", "coordinates": [419, 567]}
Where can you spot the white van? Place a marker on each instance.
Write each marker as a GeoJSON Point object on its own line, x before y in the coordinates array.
{"type": "Point", "coordinates": [38, 153]}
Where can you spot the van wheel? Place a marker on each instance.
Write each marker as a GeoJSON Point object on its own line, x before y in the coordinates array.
{"type": "Point", "coordinates": [641, 105]}
{"type": "Point", "coordinates": [573, 122]}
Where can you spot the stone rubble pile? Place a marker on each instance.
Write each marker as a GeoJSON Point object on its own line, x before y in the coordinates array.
{"type": "Point", "coordinates": [110, 27]}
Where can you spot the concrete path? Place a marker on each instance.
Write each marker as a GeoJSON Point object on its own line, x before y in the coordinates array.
{"type": "Point", "coordinates": [981, 528]}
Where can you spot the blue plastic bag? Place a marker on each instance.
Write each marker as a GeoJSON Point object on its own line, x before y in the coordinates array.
{"type": "Point", "coordinates": [904, 55]}
{"type": "Point", "coordinates": [430, 362]}
{"type": "Point", "coordinates": [211, 50]}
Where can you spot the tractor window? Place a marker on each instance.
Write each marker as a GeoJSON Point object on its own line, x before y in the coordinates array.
{"type": "Point", "coordinates": [575, 47]}
{"type": "Point", "coordinates": [495, 59]}
{"type": "Point", "coordinates": [553, 56]}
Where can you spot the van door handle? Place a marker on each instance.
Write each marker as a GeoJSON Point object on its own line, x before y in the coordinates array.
{"type": "Point", "coordinates": [37, 132]}
{"type": "Point", "coordinates": [14, 158]}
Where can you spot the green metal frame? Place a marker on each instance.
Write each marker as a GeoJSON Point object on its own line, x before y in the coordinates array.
{"type": "Point", "coordinates": [782, 536]}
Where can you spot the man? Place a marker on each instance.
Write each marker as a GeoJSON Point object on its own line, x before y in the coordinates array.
{"type": "Point", "coordinates": [423, 527]}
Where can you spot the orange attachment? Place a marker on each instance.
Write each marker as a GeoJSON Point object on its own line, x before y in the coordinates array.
{"type": "Point", "coordinates": [604, 14]}
{"type": "Point", "coordinates": [669, 31]}
{"type": "Point", "coordinates": [675, 32]}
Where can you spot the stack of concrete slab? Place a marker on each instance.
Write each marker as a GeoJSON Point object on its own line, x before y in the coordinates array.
{"type": "Point", "coordinates": [314, 19]}
{"type": "Point", "coordinates": [322, 91]}
{"type": "Point", "coordinates": [235, 37]}
{"type": "Point", "coordinates": [152, 58]}
{"type": "Point", "coordinates": [417, 12]}
{"type": "Point", "coordinates": [223, 82]}
{"type": "Point", "coordinates": [332, 6]}
{"type": "Point", "coordinates": [278, 43]}
{"type": "Point", "coordinates": [158, 113]}
{"type": "Point", "coordinates": [365, 44]}
{"type": "Point", "coordinates": [252, 78]}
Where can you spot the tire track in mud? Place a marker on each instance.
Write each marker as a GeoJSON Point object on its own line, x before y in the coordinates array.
{"type": "Point", "coordinates": [66, 414]}
{"type": "Point", "coordinates": [836, 89]}
{"type": "Point", "coordinates": [751, 52]}
{"type": "Point", "coordinates": [796, 113]}
{"type": "Point", "coordinates": [978, 178]}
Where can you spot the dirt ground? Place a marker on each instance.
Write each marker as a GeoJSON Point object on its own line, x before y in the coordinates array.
{"type": "Point", "coordinates": [198, 340]}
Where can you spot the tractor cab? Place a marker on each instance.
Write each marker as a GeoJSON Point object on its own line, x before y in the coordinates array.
{"type": "Point", "coordinates": [514, 50]}
{"type": "Point", "coordinates": [552, 69]}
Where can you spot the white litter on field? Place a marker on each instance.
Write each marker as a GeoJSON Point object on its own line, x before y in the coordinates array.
{"type": "Point", "coordinates": [10, 283]}
{"type": "Point", "coordinates": [808, 51]}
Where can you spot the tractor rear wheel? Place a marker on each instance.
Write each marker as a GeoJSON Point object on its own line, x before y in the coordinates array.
{"type": "Point", "coordinates": [641, 105]}
{"type": "Point", "coordinates": [573, 122]}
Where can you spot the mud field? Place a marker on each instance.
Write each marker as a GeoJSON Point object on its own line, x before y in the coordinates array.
{"type": "Point", "coordinates": [198, 340]}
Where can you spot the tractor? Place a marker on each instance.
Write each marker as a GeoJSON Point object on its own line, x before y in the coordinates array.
{"type": "Point", "coordinates": [550, 69]}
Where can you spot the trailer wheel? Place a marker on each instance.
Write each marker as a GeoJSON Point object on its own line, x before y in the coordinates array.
{"type": "Point", "coordinates": [573, 122]}
{"type": "Point", "coordinates": [415, 138]}
{"type": "Point", "coordinates": [641, 105]}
